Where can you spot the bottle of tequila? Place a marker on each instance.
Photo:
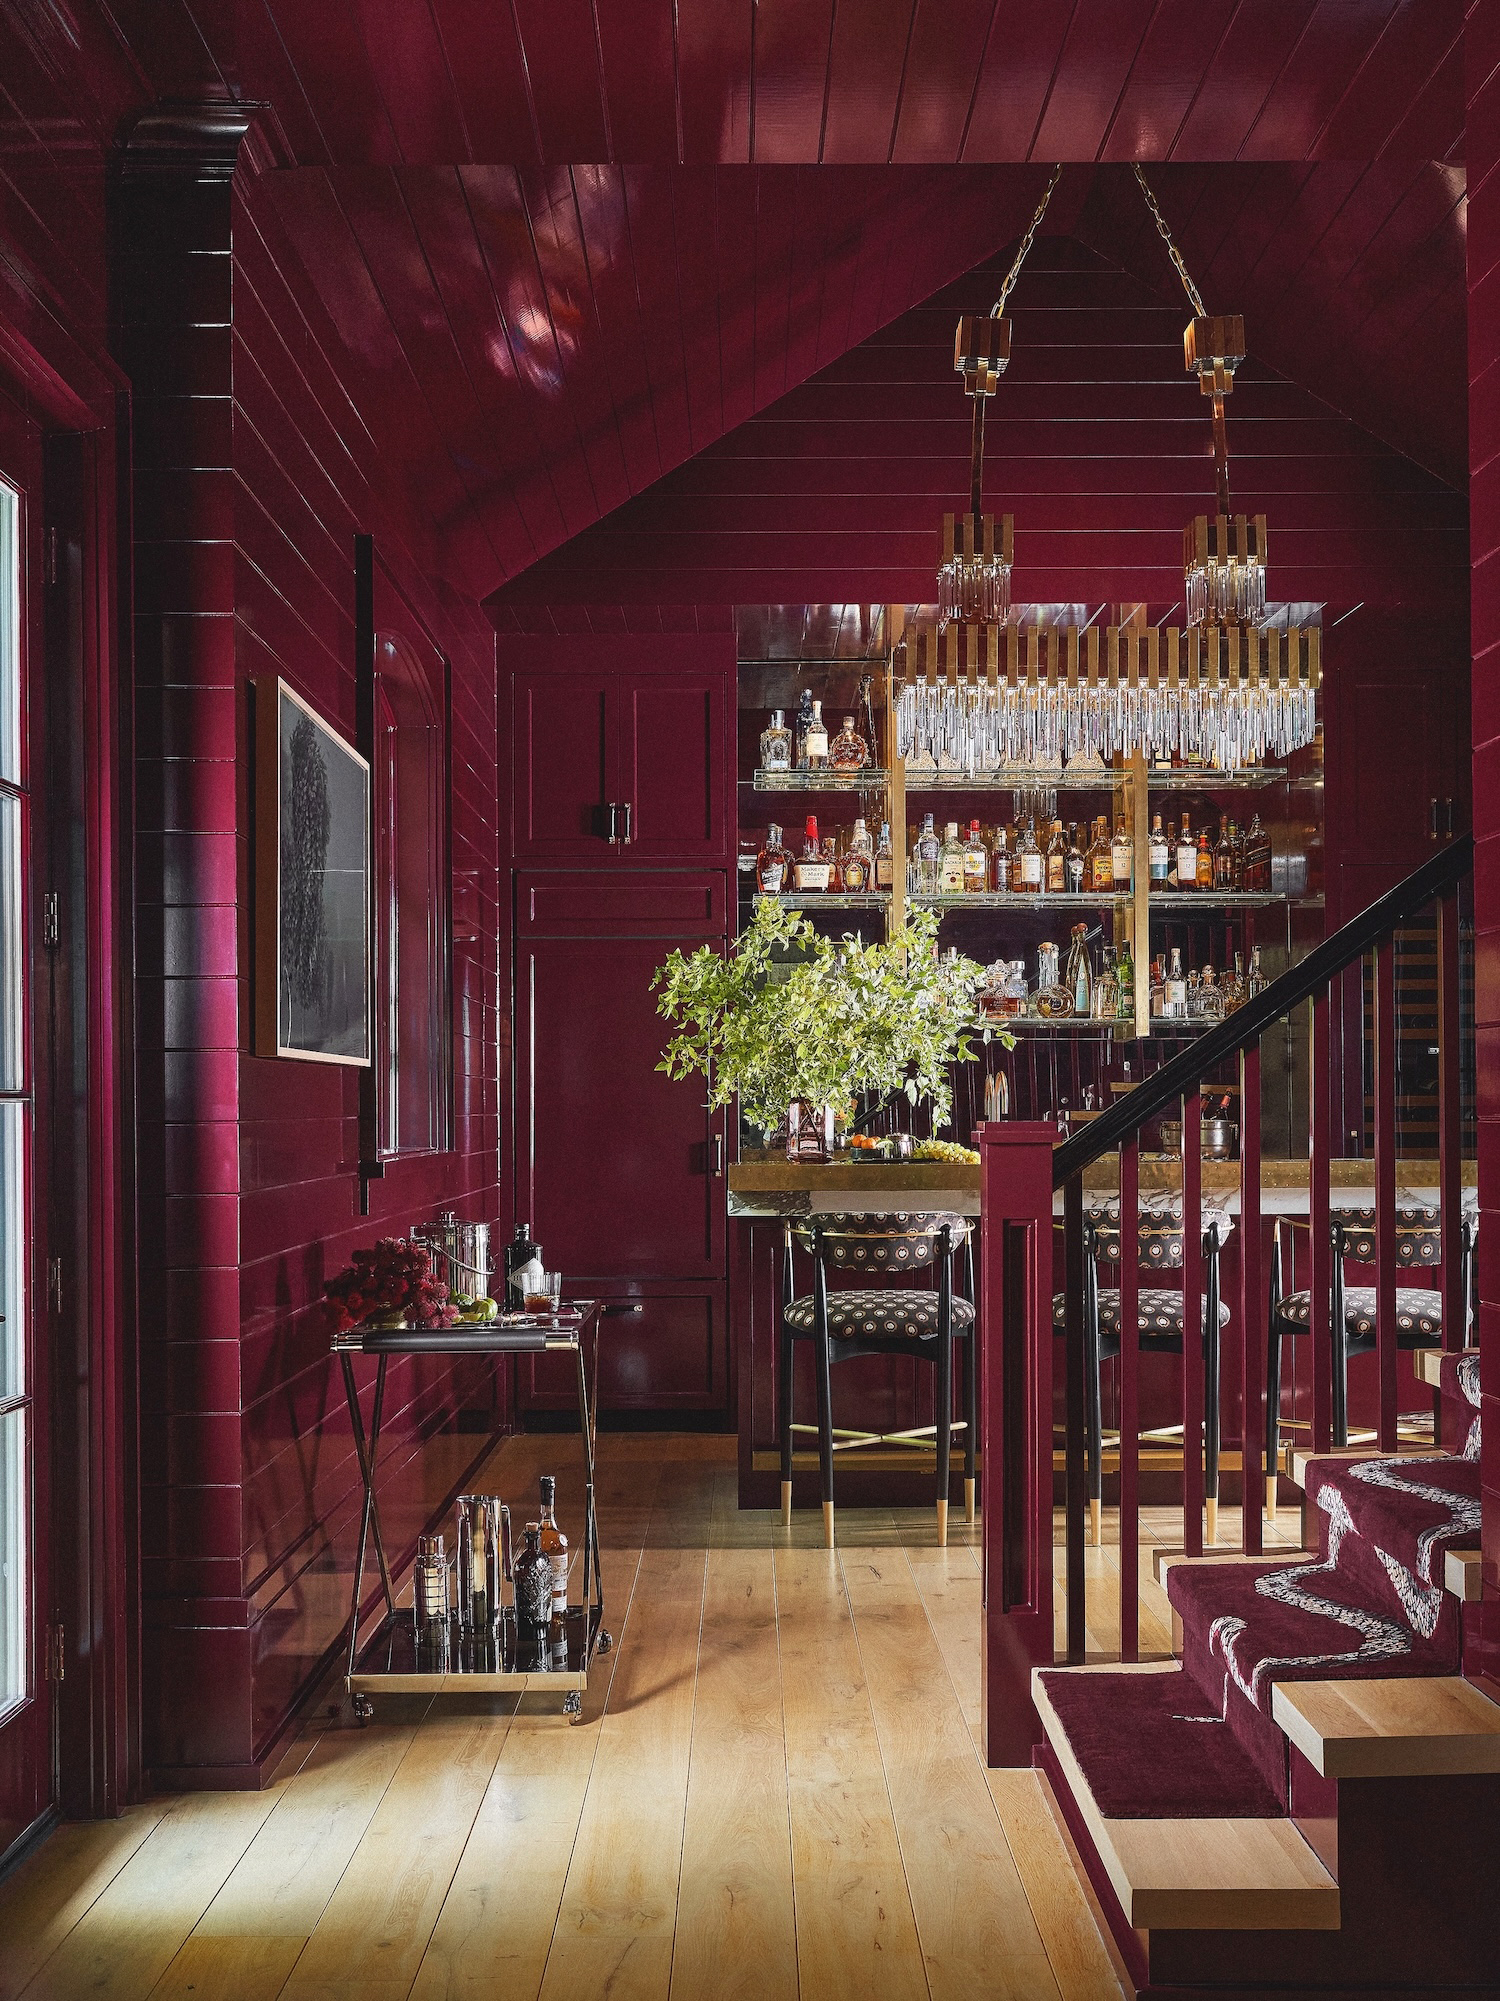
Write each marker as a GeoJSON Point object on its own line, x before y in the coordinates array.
{"type": "Point", "coordinates": [1160, 854]}
{"type": "Point", "coordinates": [925, 858]}
{"type": "Point", "coordinates": [773, 865]}
{"type": "Point", "coordinates": [848, 751]}
{"type": "Point", "coordinates": [776, 744]}
{"type": "Point", "coordinates": [976, 860]}
{"type": "Point", "coordinates": [951, 863]}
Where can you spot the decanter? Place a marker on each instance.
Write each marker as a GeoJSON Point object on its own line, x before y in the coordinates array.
{"type": "Point", "coordinates": [776, 744]}
{"type": "Point", "coordinates": [1053, 999]}
{"type": "Point", "coordinates": [848, 751]}
{"type": "Point", "coordinates": [1210, 997]}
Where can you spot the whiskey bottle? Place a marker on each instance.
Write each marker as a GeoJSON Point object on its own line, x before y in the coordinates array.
{"type": "Point", "coordinates": [815, 743]}
{"type": "Point", "coordinates": [1257, 857]}
{"type": "Point", "coordinates": [1159, 853]}
{"type": "Point", "coordinates": [1001, 861]}
{"type": "Point", "coordinates": [533, 1581]}
{"type": "Point", "coordinates": [554, 1547]}
{"type": "Point", "coordinates": [1101, 861]}
{"type": "Point", "coordinates": [1187, 857]}
{"type": "Point", "coordinates": [1074, 862]}
{"type": "Point", "coordinates": [859, 861]}
{"type": "Point", "coordinates": [848, 751]}
{"type": "Point", "coordinates": [1157, 989]}
{"type": "Point", "coordinates": [951, 863]}
{"type": "Point", "coordinates": [1174, 992]}
{"type": "Point", "coordinates": [835, 865]}
{"type": "Point", "coordinates": [1224, 859]}
{"type": "Point", "coordinates": [1029, 860]}
{"type": "Point", "coordinates": [976, 861]}
{"type": "Point", "coordinates": [810, 870]}
{"type": "Point", "coordinates": [925, 858]}
{"type": "Point", "coordinates": [772, 865]}
{"type": "Point", "coordinates": [1205, 862]}
{"type": "Point", "coordinates": [1122, 860]}
{"type": "Point", "coordinates": [885, 858]}
{"type": "Point", "coordinates": [804, 724]}
{"type": "Point", "coordinates": [1057, 862]}
{"type": "Point", "coordinates": [1236, 856]}
{"type": "Point", "coordinates": [776, 744]}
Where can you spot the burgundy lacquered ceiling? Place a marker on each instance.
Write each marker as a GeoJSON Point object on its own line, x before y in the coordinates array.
{"type": "Point", "coordinates": [669, 82]}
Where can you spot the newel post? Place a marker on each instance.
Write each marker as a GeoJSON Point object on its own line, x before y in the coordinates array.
{"type": "Point", "coordinates": [1016, 1427]}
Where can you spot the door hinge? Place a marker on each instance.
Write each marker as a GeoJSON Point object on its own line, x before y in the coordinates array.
{"type": "Point", "coordinates": [51, 555]}
{"type": "Point", "coordinates": [54, 1285]}
{"type": "Point", "coordinates": [56, 1654]}
{"type": "Point", "coordinates": [51, 921]}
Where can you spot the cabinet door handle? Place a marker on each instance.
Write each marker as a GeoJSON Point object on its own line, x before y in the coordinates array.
{"type": "Point", "coordinates": [618, 1308]}
{"type": "Point", "coordinates": [718, 1154]}
{"type": "Point", "coordinates": [1433, 818]}
{"type": "Point", "coordinates": [627, 809]}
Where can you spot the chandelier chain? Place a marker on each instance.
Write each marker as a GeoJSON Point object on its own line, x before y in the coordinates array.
{"type": "Point", "coordinates": [1195, 297]}
{"type": "Point", "coordinates": [1014, 272]}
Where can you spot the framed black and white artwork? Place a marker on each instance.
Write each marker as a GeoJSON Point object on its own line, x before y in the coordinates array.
{"type": "Point", "coordinates": [312, 906]}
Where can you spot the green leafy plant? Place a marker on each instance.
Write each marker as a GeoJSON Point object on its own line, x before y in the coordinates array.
{"type": "Point", "coordinates": [796, 1015]}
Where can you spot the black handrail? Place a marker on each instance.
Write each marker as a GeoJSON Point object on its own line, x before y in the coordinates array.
{"type": "Point", "coordinates": [1248, 1023]}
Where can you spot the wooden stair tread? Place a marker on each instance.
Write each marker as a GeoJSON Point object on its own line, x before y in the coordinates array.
{"type": "Point", "coordinates": [1198, 1875]}
{"type": "Point", "coordinates": [1163, 1560]}
{"type": "Point", "coordinates": [1463, 1573]}
{"type": "Point", "coordinates": [1427, 1364]}
{"type": "Point", "coordinates": [1411, 1726]}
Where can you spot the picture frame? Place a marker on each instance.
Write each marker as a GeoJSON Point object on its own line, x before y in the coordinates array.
{"type": "Point", "coordinates": [312, 885]}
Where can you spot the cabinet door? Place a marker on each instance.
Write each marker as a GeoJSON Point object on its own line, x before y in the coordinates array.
{"type": "Point", "coordinates": [660, 1348]}
{"type": "Point", "coordinates": [564, 765]}
{"type": "Point", "coordinates": [620, 1172]}
{"type": "Point", "coordinates": [674, 764]}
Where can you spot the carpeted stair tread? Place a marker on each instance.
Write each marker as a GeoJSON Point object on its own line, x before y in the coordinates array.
{"type": "Point", "coordinates": [1152, 1748]}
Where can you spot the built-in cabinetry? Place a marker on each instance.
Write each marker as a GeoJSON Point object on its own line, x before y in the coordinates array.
{"type": "Point", "coordinates": [621, 783]}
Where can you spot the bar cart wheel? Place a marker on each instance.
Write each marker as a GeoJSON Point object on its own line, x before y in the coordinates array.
{"type": "Point", "coordinates": [363, 1709]}
{"type": "Point", "coordinates": [573, 1705]}
{"type": "Point", "coordinates": [604, 1642]}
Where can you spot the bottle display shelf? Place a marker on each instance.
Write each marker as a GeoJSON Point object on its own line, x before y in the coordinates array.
{"type": "Point", "coordinates": [1021, 900]}
{"type": "Point", "coordinates": [1176, 900]}
{"type": "Point", "coordinates": [1063, 1024]}
{"type": "Point", "coordinates": [872, 778]}
{"type": "Point", "coordinates": [1017, 778]}
{"type": "Point", "coordinates": [829, 899]}
{"type": "Point", "coordinates": [1205, 778]}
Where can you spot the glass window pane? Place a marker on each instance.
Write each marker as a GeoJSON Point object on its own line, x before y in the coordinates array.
{"type": "Point", "coordinates": [14, 1550]}
{"type": "Point", "coordinates": [12, 932]}
{"type": "Point", "coordinates": [10, 634]}
{"type": "Point", "coordinates": [14, 1119]}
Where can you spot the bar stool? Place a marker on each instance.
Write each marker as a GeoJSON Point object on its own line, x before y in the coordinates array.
{"type": "Point", "coordinates": [1352, 1308]}
{"type": "Point", "coordinates": [847, 1324]}
{"type": "Point", "coordinates": [1160, 1321]}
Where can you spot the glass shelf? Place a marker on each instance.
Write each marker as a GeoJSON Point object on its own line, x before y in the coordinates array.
{"type": "Point", "coordinates": [825, 899]}
{"type": "Point", "coordinates": [1074, 1024]}
{"type": "Point", "coordinates": [1207, 779]}
{"type": "Point", "coordinates": [1001, 899]}
{"type": "Point", "coordinates": [873, 778]}
{"type": "Point", "coordinates": [1016, 778]}
{"type": "Point", "coordinates": [1229, 899]}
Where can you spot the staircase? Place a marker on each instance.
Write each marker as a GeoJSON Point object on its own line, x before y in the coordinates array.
{"type": "Point", "coordinates": [1304, 1799]}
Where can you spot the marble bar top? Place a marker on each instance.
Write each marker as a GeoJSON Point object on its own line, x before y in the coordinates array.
{"type": "Point", "coordinates": [769, 1185]}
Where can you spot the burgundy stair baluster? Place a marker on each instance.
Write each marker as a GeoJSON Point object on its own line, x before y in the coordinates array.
{"type": "Point", "coordinates": [1192, 1322]}
{"type": "Point", "coordinates": [1252, 1308]}
{"type": "Point", "coordinates": [1130, 1348]}
{"type": "Point", "coordinates": [1450, 1125]}
{"type": "Point", "coordinates": [1319, 1274]}
{"type": "Point", "coordinates": [1074, 1413]}
{"type": "Point", "coordinates": [1385, 1186]}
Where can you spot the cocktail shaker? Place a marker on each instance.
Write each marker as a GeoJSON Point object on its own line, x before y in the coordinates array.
{"type": "Point", "coordinates": [430, 1585]}
{"type": "Point", "coordinates": [483, 1559]}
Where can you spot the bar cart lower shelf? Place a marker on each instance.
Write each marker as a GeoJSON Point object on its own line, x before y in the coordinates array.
{"type": "Point", "coordinates": [450, 1659]}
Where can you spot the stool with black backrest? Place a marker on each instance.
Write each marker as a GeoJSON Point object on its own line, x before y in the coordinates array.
{"type": "Point", "coordinates": [1160, 1320]}
{"type": "Point", "coordinates": [1351, 1308]}
{"type": "Point", "coordinates": [843, 1325]}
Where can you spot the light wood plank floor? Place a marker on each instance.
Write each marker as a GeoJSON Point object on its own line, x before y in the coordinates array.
{"type": "Point", "coordinates": [775, 1792]}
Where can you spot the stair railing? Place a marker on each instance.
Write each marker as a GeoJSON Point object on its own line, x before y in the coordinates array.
{"type": "Point", "coordinates": [1025, 1168]}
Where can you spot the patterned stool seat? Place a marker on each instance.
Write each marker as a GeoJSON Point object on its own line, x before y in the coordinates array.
{"type": "Point", "coordinates": [884, 1240]}
{"type": "Point", "coordinates": [1419, 1314]}
{"type": "Point", "coordinates": [880, 1316]}
{"type": "Point", "coordinates": [1159, 1316]}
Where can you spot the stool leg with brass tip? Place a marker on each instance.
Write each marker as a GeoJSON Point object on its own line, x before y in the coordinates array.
{"type": "Point", "coordinates": [785, 1370]}
{"type": "Point", "coordinates": [971, 1386]}
{"type": "Point", "coordinates": [823, 1371]}
{"type": "Point", "coordinates": [943, 1395]}
{"type": "Point", "coordinates": [828, 1525]}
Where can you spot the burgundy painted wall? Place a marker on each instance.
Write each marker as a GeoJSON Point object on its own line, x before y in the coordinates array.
{"type": "Point", "coordinates": [1482, 72]}
{"type": "Point", "coordinates": [253, 476]}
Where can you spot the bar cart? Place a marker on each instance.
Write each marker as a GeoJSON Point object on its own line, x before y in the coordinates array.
{"type": "Point", "coordinates": [506, 1657]}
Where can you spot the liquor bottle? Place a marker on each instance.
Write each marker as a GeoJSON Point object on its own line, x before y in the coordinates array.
{"type": "Point", "coordinates": [1075, 862]}
{"type": "Point", "coordinates": [859, 861]}
{"type": "Point", "coordinates": [776, 744]}
{"type": "Point", "coordinates": [1160, 854]}
{"type": "Point", "coordinates": [1029, 857]}
{"type": "Point", "coordinates": [803, 725]}
{"type": "Point", "coordinates": [772, 866]}
{"type": "Point", "coordinates": [1106, 988]}
{"type": "Point", "coordinates": [1236, 856]}
{"type": "Point", "coordinates": [951, 863]}
{"type": "Point", "coordinates": [1224, 859]}
{"type": "Point", "coordinates": [519, 1251]}
{"type": "Point", "coordinates": [1101, 861]}
{"type": "Point", "coordinates": [1257, 857]}
{"type": "Point", "coordinates": [815, 743]}
{"type": "Point", "coordinates": [885, 858]}
{"type": "Point", "coordinates": [533, 1580]}
{"type": "Point", "coordinates": [1054, 1001]}
{"type": "Point", "coordinates": [1194, 986]}
{"type": "Point", "coordinates": [1081, 972]}
{"type": "Point", "coordinates": [1057, 862]}
{"type": "Point", "coordinates": [1122, 860]}
{"type": "Point", "coordinates": [1235, 990]}
{"type": "Point", "coordinates": [927, 850]}
{"type": "Point", "coordinates": [848, 751]}
{"type": "Point", "coordinates": [1000, 862]}
{"type": "Point", "coordinates": [1205, 862]}
{"type": "Point", "coordinates": [810, 870]}
{"type": "Point", "coordinates": [1210, 996]}
{"type": "Point", "coordinates": [1158, 988]}
{"type": "Point", "coordinates": [1258, 982]}
{"type": "Point", "coordinates": [835, 866]}
{"type": "Point", "coordinates": [1187, 857]}
{"type": "Point", "coordinates": [554, 1547]}
{"type": "Point", "coordinates": [1174, 993]}
{"type": "Point", "coordinates": [1125, 984]}
{"type": "Point", "coordinates": [976, 860]}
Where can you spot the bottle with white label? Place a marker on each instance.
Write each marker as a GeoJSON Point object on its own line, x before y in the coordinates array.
{"type": "Point", "coordinates": [859, 860]}
{"type": "Point", "coordinates": [1159, 853]}
{"type": "Point", "coordinates": [1174, 997]}
{"type": "Point", "coordinates": [925, 859]}
{"type": "Point", "coordinates": [951, 863]}
{"type": "Point", "coordinates": [1187, 857]}
{"type": "Point", "coordinates": [815, 743]}
{"type": "Point", "coordinates": [810, 871]}
{"type": "Point", "coordinates": [771, 865]}
{"type": "Point", "coordinates": [776, 744]}
{"type": "Point", "coordinates": [976, 860]}
{"type": "Point", "coordinates": [885, 860]}
{"type": "Point", "coordinates": [1031, 861]}
{"type": "Point", "coordinates": [1122, 860]}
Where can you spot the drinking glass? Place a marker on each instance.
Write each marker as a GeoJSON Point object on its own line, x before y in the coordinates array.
{"type": "Point", "coordinates": [546, 1296]}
